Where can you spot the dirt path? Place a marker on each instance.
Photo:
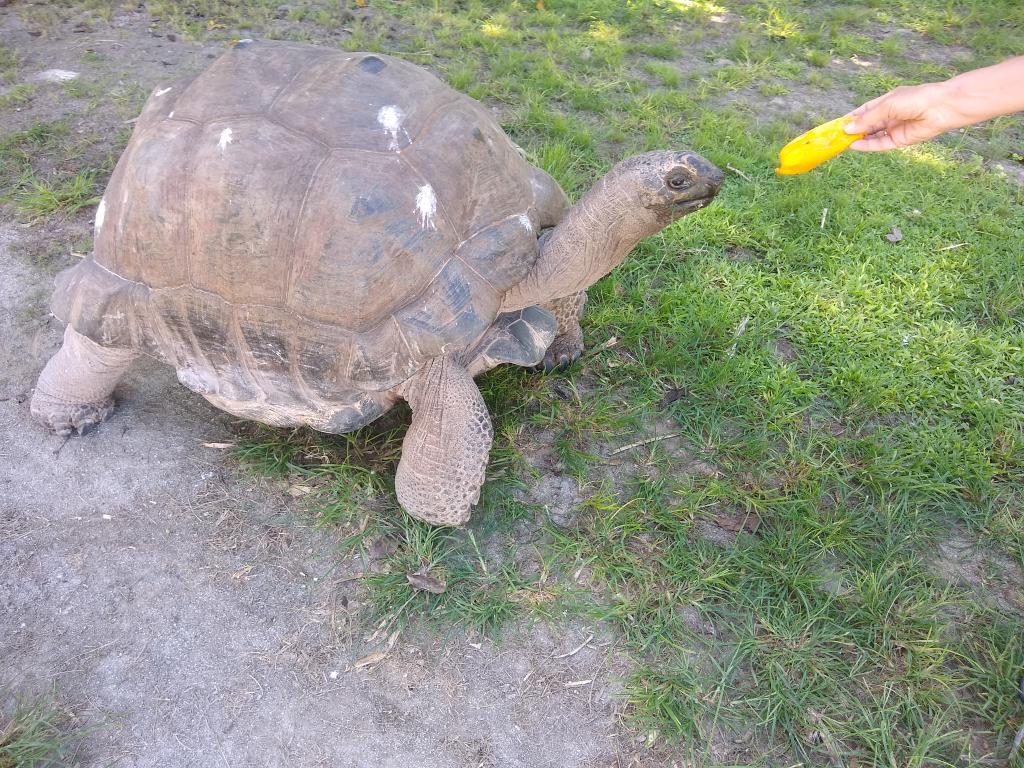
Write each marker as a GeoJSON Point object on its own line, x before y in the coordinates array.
{"type": "Point", "coordinates": [192, 618]}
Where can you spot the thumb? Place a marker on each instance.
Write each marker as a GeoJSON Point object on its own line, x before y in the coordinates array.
{"type": "Point", "coordinates": [857, 117]}
{"type": "Point", "coordinates": [867, 119]}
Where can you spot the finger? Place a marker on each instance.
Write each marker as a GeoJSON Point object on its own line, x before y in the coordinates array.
{"type": "Point", "coordinates": [876, 116]}
{"type": "Point", "coordinates": [878, 142]}
{"type": "Point", "coordinates": [867, 105]}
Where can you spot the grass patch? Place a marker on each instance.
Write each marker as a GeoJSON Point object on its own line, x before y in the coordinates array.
{"type": "Point", "coordinates": [34, 735]}
{"type": "Point", "coordinates": [36, 198]}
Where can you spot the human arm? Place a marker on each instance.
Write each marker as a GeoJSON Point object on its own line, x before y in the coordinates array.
{"type": "Point", "coordinates": [912, 114]}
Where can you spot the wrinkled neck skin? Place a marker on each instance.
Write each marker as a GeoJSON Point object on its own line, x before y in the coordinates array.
{"type": "Point", "coordinates": [594, 237]}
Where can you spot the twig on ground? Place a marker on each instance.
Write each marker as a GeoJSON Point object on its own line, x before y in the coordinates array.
{"type": "Point", "coordinates": [739, 332]}
{"type": "Point", "coordinates": [575, 650]}
{"type": "Point", "coordinates": [738, 172]}
{"type": "Point", "coordinates": [639, 443]}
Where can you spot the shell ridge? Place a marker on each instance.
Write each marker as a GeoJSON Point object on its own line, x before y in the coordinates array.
{"type": "Point", "coordinates": [402, 336]}
{"type": "Point", "coordinates": [297, 269]}
{"type": "Point", "coordinates": [428, 122]}
{"type": "Point", "coordinates": [290, 83]}
{"type": "Point", "coordinates": [476, 272]}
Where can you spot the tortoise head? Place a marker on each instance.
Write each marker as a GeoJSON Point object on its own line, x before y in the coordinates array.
{"type": "Point", "coordinates": [670, 183]}
{"type": "Point", "coordinates": [638, 197]}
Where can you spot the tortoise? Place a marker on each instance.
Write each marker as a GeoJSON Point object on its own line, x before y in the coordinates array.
{"type": "Point", "coordinates": [309, 236]}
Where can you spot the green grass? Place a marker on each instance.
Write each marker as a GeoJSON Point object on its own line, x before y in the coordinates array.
{"type": "Point", "coordinates": [36, 198]}
{"type": "Point", "coordinates": [779, 572]}
{"type": "Point", "coordinates": [33, 735]}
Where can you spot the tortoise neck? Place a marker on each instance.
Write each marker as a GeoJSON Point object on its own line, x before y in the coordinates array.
{"type": "Point", "coordinates": [594, 237]}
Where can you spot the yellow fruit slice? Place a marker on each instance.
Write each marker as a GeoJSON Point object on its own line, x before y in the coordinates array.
{"type": "Point", "coordinates": [815, 147]}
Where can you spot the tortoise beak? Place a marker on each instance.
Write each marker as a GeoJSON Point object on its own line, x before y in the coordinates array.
{"type": "Point", "coordinates": [708, 180]}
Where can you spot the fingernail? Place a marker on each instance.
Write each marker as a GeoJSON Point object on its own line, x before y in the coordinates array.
{"type": "Point", "coordinates": [851, 128]}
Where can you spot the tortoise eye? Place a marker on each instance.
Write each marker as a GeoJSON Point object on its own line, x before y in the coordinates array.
{"type": "Point", "coordinates": [677, 182]}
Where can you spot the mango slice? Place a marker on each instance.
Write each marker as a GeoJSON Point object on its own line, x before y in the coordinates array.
{"type": "Point", "coordinates": [815, 147]}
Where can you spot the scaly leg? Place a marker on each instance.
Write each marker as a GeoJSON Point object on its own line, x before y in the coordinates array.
{"type": "Point", "coordinates": [568, 343]}
{"type": "Point", "coordinates": [74, 390]}
{"type": "Point", "coordinates": [446, 449]}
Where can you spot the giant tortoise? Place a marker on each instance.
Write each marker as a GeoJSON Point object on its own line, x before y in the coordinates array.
{"type": "Point", "coordinates": [309, 236]}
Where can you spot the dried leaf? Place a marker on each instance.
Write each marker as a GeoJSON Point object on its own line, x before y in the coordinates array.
{"type": "Point", "coordinates": [671, 395]}
{"type": "Point", "coordinates": [299, 490]}
{"type": "Point", "coordinates": [739, 521]}
{"type": "Point", "coordinates": [383, 547]}
{"type": "Point", "coordinates": [540, 5]}
{"type": "Point", "coordinates": [360, 3]}
{"type": "Point", "coordinates": [531, 597]}
{"type": "Point", "coordinates": [369, 660]}
{"type": "Point", "coordinates": [218, 445]}
{"type": "Point", "coordinates": [424, 582]}
{"type": "Point", "coordinates": [895, 235]}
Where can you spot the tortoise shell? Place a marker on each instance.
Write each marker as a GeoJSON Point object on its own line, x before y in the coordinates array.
{"type": "Point", "coordinates": [299, 222]}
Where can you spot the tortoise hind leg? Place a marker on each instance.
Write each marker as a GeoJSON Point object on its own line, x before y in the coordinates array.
{"type": "Point", "coordinates": [445, 452]}
{"type": "Point", "coordinates": [74, 390]}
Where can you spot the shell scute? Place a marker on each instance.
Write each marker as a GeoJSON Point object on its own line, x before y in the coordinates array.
{"type": "Point", "coordinates": [246, 190]}
{"type": "Point", "coordinates": [477, 172]}
{"type": "Point", "coordinates": [142, 233]}
{"type": "Point", "coordinates": [450, 313]}
{"type": "Point", "coordinates": [365, 248]}
{"type": "Point", "coordinates": [245, 80]}
{"type": "Point", "coordinates": [363, 101]}
{"type": "Point", "coordinates": [503, 252]}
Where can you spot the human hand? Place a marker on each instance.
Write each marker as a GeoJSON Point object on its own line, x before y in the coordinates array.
{"type": "Point", "coordinates": [904, 116]}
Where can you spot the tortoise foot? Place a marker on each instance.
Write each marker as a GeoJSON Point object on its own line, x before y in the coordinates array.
{"type": "Point", "coordinates": [563, 352]}
{"type": "Point", "coordinates": [69, 418]}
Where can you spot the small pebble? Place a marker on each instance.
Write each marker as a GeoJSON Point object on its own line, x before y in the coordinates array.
{"type": "Point", "coordinates": [56, 76]}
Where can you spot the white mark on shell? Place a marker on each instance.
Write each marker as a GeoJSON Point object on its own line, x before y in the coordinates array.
{"type": "Point", "coordinates": [124, 209]}
{"type": "Point", "coordinates": [225, 139]}
{"type": "Point", "coordinates": [172, 114]}
{"type": "Point", "coordinates": [525, 221]}
{"type": "Point", "coordinates": [162, 91]}
{"type": "Point", "coordinates": [390, 119]}
{"type": "Point", "coordinates": [101, 211]}
{"type": "Point", "coordinates": [426, 206]}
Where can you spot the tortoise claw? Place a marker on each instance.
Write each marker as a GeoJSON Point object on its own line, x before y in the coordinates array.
{"type": "Point", "coordinates": [561, 362]}
{"type": "Point", "coordinates": [563, 352]}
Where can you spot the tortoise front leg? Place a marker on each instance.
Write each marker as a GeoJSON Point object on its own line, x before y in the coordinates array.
{"type": "Point", "coordinates": [568, 343]}
{"type": "Point", "coordinates": [74, 390]}
{"type": "Point", "coordinates": [446, 449]}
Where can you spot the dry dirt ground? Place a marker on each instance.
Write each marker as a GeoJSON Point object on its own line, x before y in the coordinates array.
{"type": "Point", "coordinates": [191, 617]}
